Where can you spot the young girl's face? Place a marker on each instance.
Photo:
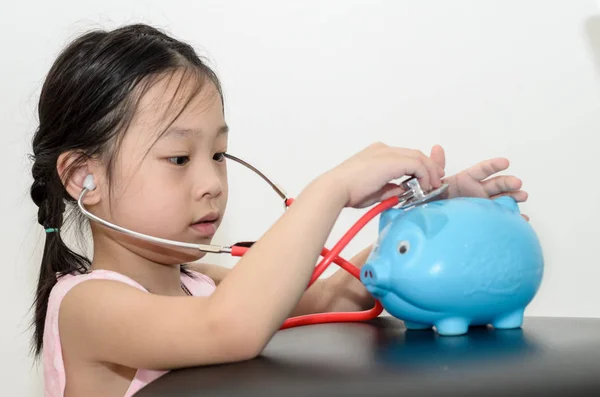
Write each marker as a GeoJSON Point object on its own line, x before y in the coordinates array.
{"type": "Point", "coordinates": [170, 181]}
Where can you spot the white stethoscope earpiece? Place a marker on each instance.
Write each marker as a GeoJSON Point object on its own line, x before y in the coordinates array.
{"type": "Point", "coordinates": [88, 182]}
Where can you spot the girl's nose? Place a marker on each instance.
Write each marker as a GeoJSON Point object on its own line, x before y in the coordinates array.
{"type": "Point", "coordinates": [210, 181]}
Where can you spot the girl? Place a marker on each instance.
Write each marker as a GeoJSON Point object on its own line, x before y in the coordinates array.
{"type": "Point", "coordinates": [142, 114]}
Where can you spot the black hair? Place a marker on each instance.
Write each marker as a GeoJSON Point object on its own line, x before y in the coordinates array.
{"type": "Point", "coordinates": [86, 103]}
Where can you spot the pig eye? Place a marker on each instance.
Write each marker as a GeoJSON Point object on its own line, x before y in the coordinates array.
{"type": "Point", "coordinates": [403, 247]}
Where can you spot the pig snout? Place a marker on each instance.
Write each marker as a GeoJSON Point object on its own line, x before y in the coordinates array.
{"type": "Point", "coordinates": [374, 279]}
{"type": "Point", "coordinates": [369, 274]}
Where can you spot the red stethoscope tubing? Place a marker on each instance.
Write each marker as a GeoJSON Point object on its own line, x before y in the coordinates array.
{"type": "Point", "coordinates": [329, 257]}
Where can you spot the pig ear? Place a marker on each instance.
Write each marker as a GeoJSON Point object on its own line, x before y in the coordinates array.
{"type": "Point", "coordinates": [508, 202]}
{"type": "Point", "coordinates": [431, 222]}
{"type": "Point", "coordinates": [388, 216]}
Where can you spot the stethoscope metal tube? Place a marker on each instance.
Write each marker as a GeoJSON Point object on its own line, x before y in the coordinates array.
{"type": "Point", "coordinates": [275, 186]}
{"type": "Point", "coordinates": [201, 247]}
{"type": "Point", "coordinates": [208, 248]}
{"type": "Point", "coordinates": [413, 196]}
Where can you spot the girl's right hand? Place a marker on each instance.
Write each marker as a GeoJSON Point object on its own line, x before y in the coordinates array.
{"type": "Point", "coordinates": [366, 177]}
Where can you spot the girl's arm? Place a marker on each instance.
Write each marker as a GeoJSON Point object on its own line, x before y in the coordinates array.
{"type": "Point", "coordinates": [340, 292]}
{"type": "Point", "coordinates": [311, 301]}
{"type": "Point", "coordinates": [109, 321]}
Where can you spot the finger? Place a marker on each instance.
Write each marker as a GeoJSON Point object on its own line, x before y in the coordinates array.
{"type": "Point", "coordinates": [416, 166]}
{"type": "Point", "coordinates": [500, 184]}
{"type": "Point", "coordinates": [390, 190]}
{"type": "Point", "coordinates": [435, 171]}
{"type": "Point", "coordinates": [413, 164]}
{"type": "Point", "coordinates": [525, 217]}
{"type": "Point", "coordinates": [438, 155]}
{"type": "Point", "coordinates": [486, 168]}
{"type": "Point", "coordinates": [520, 196]}
{"type": "Point", "coordinates": [387, 191]}
{"type": "Point", "coordinates": [439, 158]}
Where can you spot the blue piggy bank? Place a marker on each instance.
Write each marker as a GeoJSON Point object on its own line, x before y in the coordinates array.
{"type": "Point", "coordinates": [455, 263]}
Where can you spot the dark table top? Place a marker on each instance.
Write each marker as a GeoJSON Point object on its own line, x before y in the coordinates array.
{"type": "Point", "coordinates": [546, 357]}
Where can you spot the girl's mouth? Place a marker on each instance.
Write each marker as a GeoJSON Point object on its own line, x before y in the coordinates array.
{"type": "Point", "coordinates": [207, 225]}
{"type": "Point", "coordinates": [206, 229]}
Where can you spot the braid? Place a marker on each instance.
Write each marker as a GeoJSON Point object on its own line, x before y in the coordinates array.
{"type": "Point", "coordinates": [47, 193]}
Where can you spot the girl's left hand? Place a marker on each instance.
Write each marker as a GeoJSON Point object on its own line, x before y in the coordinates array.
{"type": "Point", "coordinates": [473, 181]}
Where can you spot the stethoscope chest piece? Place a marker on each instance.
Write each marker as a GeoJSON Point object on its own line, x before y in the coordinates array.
{"type": "Point", "coordinates": [414, 194]}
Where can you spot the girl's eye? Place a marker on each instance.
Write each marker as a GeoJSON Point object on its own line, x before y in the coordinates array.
{"type": "Point", "coordinates": [179, 160]}
{"type": "Point", "coordinates": [219, 156]}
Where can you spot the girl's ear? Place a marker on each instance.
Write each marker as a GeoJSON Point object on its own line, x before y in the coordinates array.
{"type": "Point", "coordinates": [72, 169]}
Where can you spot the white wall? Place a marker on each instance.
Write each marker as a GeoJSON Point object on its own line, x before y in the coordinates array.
{"type": "Point", "coordinates": [493, 78]}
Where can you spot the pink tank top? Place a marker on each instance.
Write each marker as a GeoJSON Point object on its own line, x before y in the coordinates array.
{"type": "Point", "coordinates": [54, 371]}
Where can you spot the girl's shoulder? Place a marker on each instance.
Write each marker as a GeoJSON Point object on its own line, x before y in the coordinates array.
{"type": "Point", "coordinates": [54, 370]}
{"type": "Point", "coordinates": [54, 373]}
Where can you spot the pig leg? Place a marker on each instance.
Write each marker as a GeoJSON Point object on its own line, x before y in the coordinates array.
{"type": "Point", "coordinates": [416, 326]}
{"type": "Point", "coordinates": [509, 320]}
{"type": "Point", "coordinates": [452, 326]}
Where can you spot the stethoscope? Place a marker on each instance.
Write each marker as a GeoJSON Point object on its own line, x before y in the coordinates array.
{"type": "Point", "coordinates": [410, 198]}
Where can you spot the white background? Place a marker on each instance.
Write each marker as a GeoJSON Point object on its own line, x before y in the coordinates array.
{"type": "Point", "coordinates": [309, 83]}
